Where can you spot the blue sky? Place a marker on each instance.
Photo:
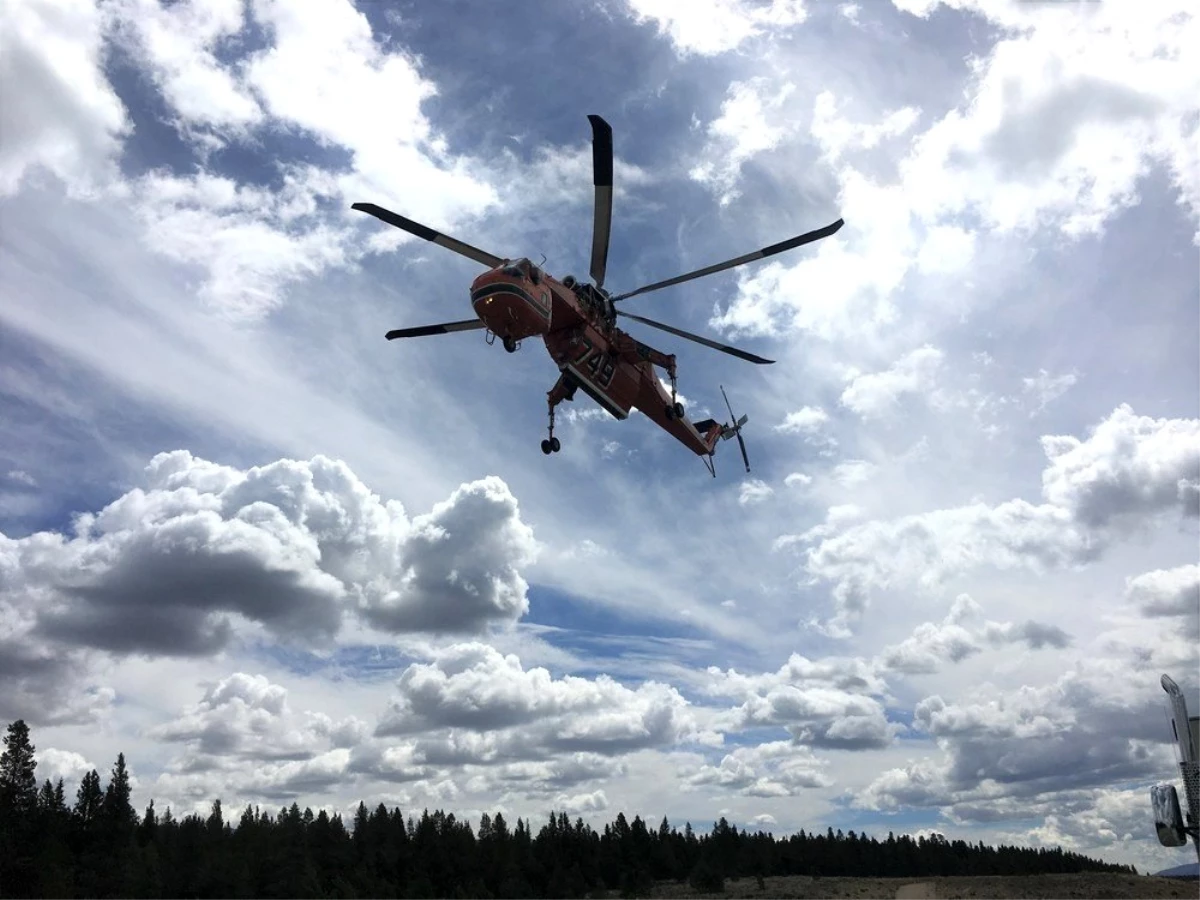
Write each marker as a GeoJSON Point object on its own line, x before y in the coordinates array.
{"type": "Point", "coordinates": [251, 544]}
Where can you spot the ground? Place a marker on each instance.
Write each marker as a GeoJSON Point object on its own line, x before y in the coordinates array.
{"type": "Point", "coordinates": [1016, 886]}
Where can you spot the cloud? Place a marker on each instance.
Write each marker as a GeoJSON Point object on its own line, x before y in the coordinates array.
{"type": "Point", "coordinates": [854, 472]}
{"type": "Point", "coordinates": [959, 636]}
{"type": "Point", "coordinates": [739, 133]}
{"type": "Point", "coordinates": [754, 491]}
{"type": "Point", "coordinates": [711, 27]}
{"type": "Point", "coordinates": [1129, 470]}
{"type": "Point", "coordinates": [1005, 752]}
{"type": "Point", "coordinates": [806, 420]}
{"type": "Point", "coordinates": [1045, 388]}
{"type": "Point", "coordinates": [837, 136]}
{"type": "Point", "coordinates": [877, 393]}
{"type": "Point", "coordinates": [172, 566]}
{"type": "Point", "coordinates": [1129, 467]}
{"type": "Point", "coordinates": [527, 713]}
{"type": "Point", "coordinates": [246, 717]}
{"type": "Point", "coordinates": [1167, 592]}
{"type": "Point", "coordinates": [58, 112]}
{"type": "Point", "coordinates": [824, 703]}
{"type": "Point", "coordinates": [1020, 153]}
{"type": "Point", "coordinates": [177, 43]}
{"type": "Point", "coordinates": [772, 769]}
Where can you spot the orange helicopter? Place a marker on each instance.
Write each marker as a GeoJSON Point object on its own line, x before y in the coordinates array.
{"type": "Point", "coordinates": [515, 300]}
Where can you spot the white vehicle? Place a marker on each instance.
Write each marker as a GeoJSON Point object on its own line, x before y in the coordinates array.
{"type": "Point", "coordinates": [1168, 818]}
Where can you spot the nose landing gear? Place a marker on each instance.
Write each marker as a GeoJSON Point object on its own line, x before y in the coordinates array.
{"type": "Point", "coordinates": [510, 345]}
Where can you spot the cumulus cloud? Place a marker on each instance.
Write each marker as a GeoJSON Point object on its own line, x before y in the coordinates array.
{"type": "Point", "coordinates": [58, 112]}
{"type": "Point", "coordinates": [1020, 153]}
{"type": "Point", "coordinates": [773, 769]}
{"type": "Point", "coordinates": [247, 717]}
{"type": "Point", "coordinates": [1129, 470]}
{"type": "Point", "coordinates": [1032, 751]}
{"type": "Point", "coordinates": [805, 420]}
{"type": "Point", "coordinates": [962, 635]}
{"type": "Point", "coordinates": [173, 565]}
{"type": "Point", "coordinates": [1167, 592]}
{"type": "Point", "coordinates": [830, 703]}
{"type": "Point", "coordinates": [527, 713]}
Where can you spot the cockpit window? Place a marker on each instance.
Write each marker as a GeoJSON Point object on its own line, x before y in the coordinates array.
{"type": "Point", "coordinates": [518, 268]}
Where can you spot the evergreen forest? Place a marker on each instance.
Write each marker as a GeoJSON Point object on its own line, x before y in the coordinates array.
{"type": "Point", "coordinates": [96, 845]}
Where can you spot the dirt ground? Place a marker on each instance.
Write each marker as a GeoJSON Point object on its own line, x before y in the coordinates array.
{"type": "Point", "coordinates": [1095, 885]}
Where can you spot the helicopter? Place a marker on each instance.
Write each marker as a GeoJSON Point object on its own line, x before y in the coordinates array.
{"type": "Point", "coordinates": [515, 300]}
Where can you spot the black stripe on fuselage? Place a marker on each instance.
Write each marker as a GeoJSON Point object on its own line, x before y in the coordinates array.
{"type": "Point", "coordinates": [492, 290]}
{"type": "Point", "coordinates": [595, 393]}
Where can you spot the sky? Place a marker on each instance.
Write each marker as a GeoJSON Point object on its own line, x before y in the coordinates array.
{"type": "Point", "coordinates": [272, 557]}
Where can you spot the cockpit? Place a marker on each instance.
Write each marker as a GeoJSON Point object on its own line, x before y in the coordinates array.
{"type": "Point", "coordinates": [522, 268]}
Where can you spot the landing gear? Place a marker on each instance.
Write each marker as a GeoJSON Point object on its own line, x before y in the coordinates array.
{"type": "Point", "coordinates": [674, 408]}
{"type": "Point", "coordinates": [564, 389]}
{"type": "Point", "coordinates": [510, 345]}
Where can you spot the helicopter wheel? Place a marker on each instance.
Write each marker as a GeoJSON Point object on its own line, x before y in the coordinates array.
{"type": "Point", "coordinates": [510, 345]}
{"type": "Point", "coordinates": [555, 446]}
{"type": "Point", "coordinates": [547, 447]}
{"type": "Point", "coordinates": [678, 410]}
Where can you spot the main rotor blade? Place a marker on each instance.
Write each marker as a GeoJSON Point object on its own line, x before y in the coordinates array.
{"type": "Point", "coordinates": [789, 244]}
{"type": "Point", "coordinates": [602, 178]}
{"type": "Point", "coordinates": [724, 348]}
{"type": "Point", "coordinates": [422, 231]}
{"type": "Point", "coordinates": [426, 330]}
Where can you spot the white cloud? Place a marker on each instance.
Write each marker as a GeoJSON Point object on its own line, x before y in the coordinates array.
{"type": "Point", "coordinates": [1045, 388]}
{"type": "Point", "coordinates": [854, 472]}
{"type": "Point", "coordinates": [1058, 126]}
{"type": "Point", "coordinates": [179, 42]}
{"type": "Point", "coordinates": [1167, 592]}
{"type": "Point", "coordinates": [877, 393]}
{"type": "Point", "coordinates": [805, 420]}
{"type": "Point", "coordinates": [173, 566]}
{"type": "Point", "coordinates": [710, 27]}
{"type": "Point", "coordinates": [837, 136]}
{"type": "Point", "coordinates": [1129, 470]}
{"type": "Point", "coordinates": [526, 712]}
{"type": "Point", "coordinates": [774, 769]}
{"type": "Point", "coordinates": [58, 112]}
{"type": "Point", "coordinates": [960, 636]}
{"type": "Point", "coordinates": [253, 243]}
{"type": "Point", "coordinates": [754, 491]}
{"type": "Point", "coordinates": [798, 479]}
{"type": "Point", "coordinates": [739, 133]}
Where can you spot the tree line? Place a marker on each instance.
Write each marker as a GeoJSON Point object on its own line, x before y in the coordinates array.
{"type": "Point", "coordinates": [98, 846]}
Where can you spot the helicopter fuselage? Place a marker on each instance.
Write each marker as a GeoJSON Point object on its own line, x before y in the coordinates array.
{"type": "Point", "coordinates": [516, 301]}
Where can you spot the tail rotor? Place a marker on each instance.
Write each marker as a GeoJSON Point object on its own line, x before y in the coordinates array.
{"type": "Point", "coordinates": [734, 429]}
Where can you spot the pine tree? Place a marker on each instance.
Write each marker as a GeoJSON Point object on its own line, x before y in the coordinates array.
{"type": "Point", "coordinates": [18, 784]}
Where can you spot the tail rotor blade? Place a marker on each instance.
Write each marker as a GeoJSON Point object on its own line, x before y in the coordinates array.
{"type": "Point", "coordinates": [742, 444]}
{"type": "Point", "coordinates": [602, 179]}
{"type": "Point", "coordinates": [736, 428]}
